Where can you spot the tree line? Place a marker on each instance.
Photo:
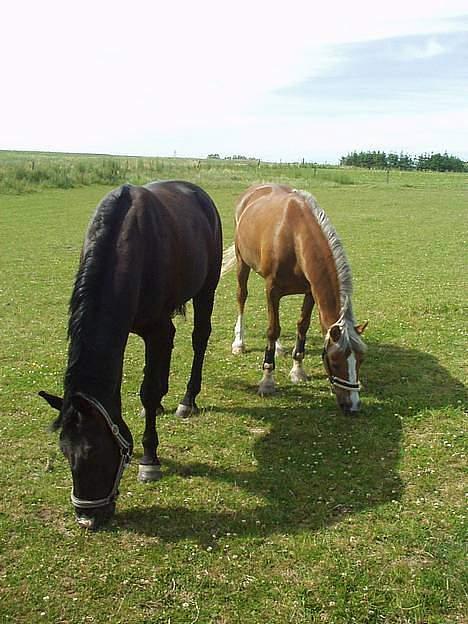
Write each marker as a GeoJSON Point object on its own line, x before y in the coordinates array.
{"type": "Point", "coordinates": [423, 162]}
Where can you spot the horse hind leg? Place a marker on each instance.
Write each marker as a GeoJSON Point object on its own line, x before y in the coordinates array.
{"type": "Point", "coordinates": [267, 384]}
{"type": "Point", "coordinates": [297, 373]}
{"type": "Point", "coordinates": [280, 350]}
{"type": "Point", "coordinates": [243, 271]}
{"type": "Point", "coordinates": [158, 349]}
{"type": "Point", "coordinates": [202, 308]}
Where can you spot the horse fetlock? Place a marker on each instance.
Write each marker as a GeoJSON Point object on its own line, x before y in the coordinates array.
{"type": "Point", "coordinates": [158, 411]}
{"type": "Point", "coordinates": [298, 356]}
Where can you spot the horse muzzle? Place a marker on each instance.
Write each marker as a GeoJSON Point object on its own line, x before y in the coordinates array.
{"type": "Point", "coordinates": [349, 409]}
{"type": "Point", "coordinates": [94, 519]}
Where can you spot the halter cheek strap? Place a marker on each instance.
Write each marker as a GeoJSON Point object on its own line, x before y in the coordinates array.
{"type": "Point", "coordinates": [125, 457]}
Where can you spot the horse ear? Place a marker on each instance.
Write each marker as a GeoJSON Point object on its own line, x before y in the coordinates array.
{"type": "Point", "coordinates": [54, 401]}
{"type": "Point", "coordinates": [335, 333]}
{"type": "Point", "coordinates": [360, 328]}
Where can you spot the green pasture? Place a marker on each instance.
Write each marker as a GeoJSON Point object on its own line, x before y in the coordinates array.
{"type": "Point", "coordinates": [274, 510]}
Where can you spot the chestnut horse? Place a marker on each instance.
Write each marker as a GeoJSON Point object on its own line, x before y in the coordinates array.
{"type": "Point", "coordinates": [148, 250]}
{"type": "Point", "coordinates": [284, 236]}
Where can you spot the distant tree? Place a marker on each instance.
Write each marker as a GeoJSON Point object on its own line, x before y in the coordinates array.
{"type": "Point", "coordinates": [404, 162]}
{"type": "Point", "coordinates": [392, 161]}
{"type": "Point", "coordinates": [422, 162]}
{"type": "Point", "coordinates": [214, 156]}
{"type": "Point", "coordinates": [440, 162]}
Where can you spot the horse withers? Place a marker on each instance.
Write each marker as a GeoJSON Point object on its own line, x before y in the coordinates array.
{"type": "Point", "coordinates": [284, 236]}
{"type": "Point", "coordinates": [148, 250]}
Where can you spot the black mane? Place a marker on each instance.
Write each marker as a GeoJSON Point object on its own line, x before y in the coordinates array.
{"type": "Point", "coordinates": [97, 252]}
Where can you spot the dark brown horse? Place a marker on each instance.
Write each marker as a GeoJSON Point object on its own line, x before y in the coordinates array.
{"type": "Point", "coordinates": [148, 250]}
{"type": "Point", "coordinates": [284, 236]}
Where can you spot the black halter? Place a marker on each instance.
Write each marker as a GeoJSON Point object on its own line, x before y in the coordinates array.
{"type": "Point", "coordinates": [336, 382]}
{"type": "Point", "coordinates": [125, 457]}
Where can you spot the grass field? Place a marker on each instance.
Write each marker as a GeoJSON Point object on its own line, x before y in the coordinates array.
{"type": "Point", "coordinates": [275, 510]}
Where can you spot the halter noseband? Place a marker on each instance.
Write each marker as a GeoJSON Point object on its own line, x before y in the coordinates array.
{"type": "Point", "coordinates": [125, 457]}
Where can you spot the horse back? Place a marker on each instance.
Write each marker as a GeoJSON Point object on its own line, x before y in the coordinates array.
{"type": "Point", "coordinates": [155, 248]}
{"type": "Point", "coordinates": [183, 240]}
{"type": "Point", "coordinates": [270, 233]}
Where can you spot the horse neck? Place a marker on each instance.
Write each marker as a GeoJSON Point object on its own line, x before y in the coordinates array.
{"type": "Point", "coordinates": [329, 305]}
{"type": "Point", "coordinates": [322, 275]}
{"type": "Point", "coordinates": [316, 254]}
{"type": "Point", "coordinates": [95, 361]}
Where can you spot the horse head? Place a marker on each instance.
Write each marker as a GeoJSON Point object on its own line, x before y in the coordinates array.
{"type": "Point", "coordinates": [97, 453]}
{"type": "Point", "coordinates": [343, 353]}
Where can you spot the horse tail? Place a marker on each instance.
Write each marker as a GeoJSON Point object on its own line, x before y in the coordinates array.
{"type": "Point", "coordinates": [229, 259]}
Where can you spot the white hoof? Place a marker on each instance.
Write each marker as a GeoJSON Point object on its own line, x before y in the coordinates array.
{"type": "Point", "coordinates": [298, 375]}
{"type": "Point", "coordinates": [238, 348]}
{"type": "Point", "coordinates": [267, 387]}
{"type": "Point", "coordinates": [149, 472]}
{"type": "Point", "coordinates": [184, 411]}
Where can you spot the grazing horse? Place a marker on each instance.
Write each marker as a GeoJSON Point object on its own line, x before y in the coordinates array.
{"type": "Point", "coordinates": [148, 250]}
{"type": "Point", "coordinates": [284, 236]}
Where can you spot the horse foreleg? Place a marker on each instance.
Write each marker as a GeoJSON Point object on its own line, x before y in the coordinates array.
{"type": "Point", "coordinates": [158, 349]}
{"type": "Point", "coordinates": [202, 308]}
{"type": "Point", "coordinates": [243, 271]}
{"type": "Point", "coordinates": [297, 373]}
{"type": "Point", "coordinates": [267, 383]}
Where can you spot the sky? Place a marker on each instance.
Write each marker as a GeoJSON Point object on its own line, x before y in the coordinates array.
{"type": "Point", "coordinates": [277, 81]}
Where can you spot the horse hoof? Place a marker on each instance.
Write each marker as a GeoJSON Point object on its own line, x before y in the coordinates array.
{"type": "Point", "coordinates": [184, 411]}
{"type": "Point", "coordinates": [298, 378]}
{"type": "Point", "coordinates": [149, 472]}
{"type": "Point", "coordinates": [237, 349]}
{"type": "Point", "coordinates": [266, 390]}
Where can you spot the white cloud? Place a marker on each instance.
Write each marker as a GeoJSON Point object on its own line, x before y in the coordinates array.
{"type": "Point", "coordinates": [429, 49]}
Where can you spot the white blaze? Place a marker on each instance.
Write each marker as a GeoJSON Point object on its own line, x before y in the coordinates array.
{"type": "Point", "coordinates": [353, 379]}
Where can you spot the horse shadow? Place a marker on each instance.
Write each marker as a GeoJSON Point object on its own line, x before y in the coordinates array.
{"type": "Point", "coordinates": [313, 467]}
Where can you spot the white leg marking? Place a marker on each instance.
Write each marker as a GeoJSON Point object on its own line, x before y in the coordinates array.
{"type": "Point", "coordinates": [238, 344]}
{"type": "Point", "coordinates": [297, 373]}
{"type": "Point", "coordinates": [279, 349]}
{"type": "Point", "coordinates": [353, 379]}
{"type": "Point", "coordinates": [267, 384]}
